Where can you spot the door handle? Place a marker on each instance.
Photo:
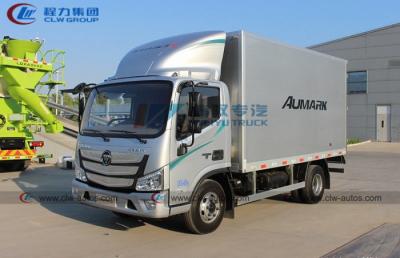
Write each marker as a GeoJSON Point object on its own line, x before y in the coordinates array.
{"type": "Point", "coordinates": [382, 123]}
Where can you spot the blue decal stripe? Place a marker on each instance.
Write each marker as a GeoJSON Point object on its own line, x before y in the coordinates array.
{"type": "Point", "coordinates": [174, 163]}
{"type": "Point", "coordinates": [178, 160]}
{"type": "Point", "coordinates": [213, 41]}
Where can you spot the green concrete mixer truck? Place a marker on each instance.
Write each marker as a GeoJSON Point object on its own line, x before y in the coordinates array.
{"type": "Point", "coordinates": [24, 68]}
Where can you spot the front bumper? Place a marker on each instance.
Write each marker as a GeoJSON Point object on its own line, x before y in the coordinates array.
{"type": "Point", "coordinates": [122, 202]}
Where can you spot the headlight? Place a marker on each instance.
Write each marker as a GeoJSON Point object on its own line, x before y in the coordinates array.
{"type": "Point", "coordinates": [80, 173]}
{"type": "Point", "coordinates": [151, 182]}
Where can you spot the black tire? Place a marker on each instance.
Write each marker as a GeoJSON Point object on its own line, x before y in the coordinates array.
{"type": "Point", "coordinates": [122, 215]}
{"type": "Point", "coordinates": [25, 164]}
{"type": "Point", "coordinates": [310, 193]}
{"type": "Point", "coordinates": [296, 196]}
{"type": "Point", "coordinates": [209, 194]}
{"type": "Point", "coordinates": [17, 165]}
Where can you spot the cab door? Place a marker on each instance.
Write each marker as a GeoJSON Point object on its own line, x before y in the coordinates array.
{"type": "Point", "coordinates": [211, 147]}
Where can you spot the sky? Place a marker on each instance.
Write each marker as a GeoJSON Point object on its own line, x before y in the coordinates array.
{"type": "Point", "coordinates": [93, 50]}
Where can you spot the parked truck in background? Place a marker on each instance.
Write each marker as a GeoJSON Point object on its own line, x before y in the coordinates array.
{"type": "Point", "coordinates": [200, 123]}
{"type": "Point", "coordinates": [23, 68]}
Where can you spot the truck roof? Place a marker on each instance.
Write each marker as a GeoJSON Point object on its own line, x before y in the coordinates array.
{"type": "Point", "coordinates": [196, 55]}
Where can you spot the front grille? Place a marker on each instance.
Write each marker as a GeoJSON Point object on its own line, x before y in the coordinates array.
{"type": "Point", "coordinates": [120, 177]}
{"type": "Point", "coordinates": [12, 143]}
{"type": "Point", "coordinates": [110, 181]}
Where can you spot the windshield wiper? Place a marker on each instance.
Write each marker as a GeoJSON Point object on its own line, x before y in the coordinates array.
{"type": "Point", "coordinates": [98, 132]}
{"type": "Point", "coordinates": [133, 134]}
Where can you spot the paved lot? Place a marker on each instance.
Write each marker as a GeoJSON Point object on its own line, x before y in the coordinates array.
{"type": "Point", "coordinates": [268, 228]}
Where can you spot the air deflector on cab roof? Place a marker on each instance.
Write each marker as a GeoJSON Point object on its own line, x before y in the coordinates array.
{"type": "Point", "coordinates": [196, 55]}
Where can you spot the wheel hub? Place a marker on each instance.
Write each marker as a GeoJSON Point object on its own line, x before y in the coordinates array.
{"type": "Point", "coordinates": [210, 207]}
{"type": "Point", "coordinates": [317, 184]}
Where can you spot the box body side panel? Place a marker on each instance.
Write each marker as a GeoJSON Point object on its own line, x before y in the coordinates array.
{"type": "Point", "coordinates": [293, 102]}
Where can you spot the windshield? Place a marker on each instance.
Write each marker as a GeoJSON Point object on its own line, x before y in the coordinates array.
{"type": "Point", "coordinates": [134, 108]}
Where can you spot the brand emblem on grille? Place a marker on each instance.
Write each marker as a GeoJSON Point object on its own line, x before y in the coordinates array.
{"type": "Point", "coordinates": [106, 158]}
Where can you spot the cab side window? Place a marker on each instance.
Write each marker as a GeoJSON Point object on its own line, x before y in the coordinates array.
{"type": "Point", "coordinates": [209, 110]}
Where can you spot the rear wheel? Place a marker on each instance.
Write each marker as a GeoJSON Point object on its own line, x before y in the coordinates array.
{"type": "Point", "coordinates": [315, 185]}
{"type": "Point", "coordinates": [17, 165]}
{"type": "Point", "coordinates": [296, 195]}
{"type": "Point", "coordinates": [207, 208]}
{"type": "Point", "coordinates": [25, 164]}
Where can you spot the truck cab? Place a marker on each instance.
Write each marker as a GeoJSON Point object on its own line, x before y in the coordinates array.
{"type": "Point", "coordinates": [135, 136]}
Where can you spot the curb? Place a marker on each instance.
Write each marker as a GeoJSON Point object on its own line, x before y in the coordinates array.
{"type": "Point", "coordinates": [360, 143]}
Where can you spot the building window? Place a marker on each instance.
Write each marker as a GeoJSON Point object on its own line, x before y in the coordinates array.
{"type": "Point", "coordinates": [357, 82]}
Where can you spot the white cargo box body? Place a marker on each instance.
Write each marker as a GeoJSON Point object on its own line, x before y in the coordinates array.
{"type": "Point", "coordinates": [301, 92]}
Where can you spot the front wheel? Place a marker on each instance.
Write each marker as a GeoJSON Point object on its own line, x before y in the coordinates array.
{"type": "Point", "coordinates": [122, 215]}
{"type": "Point", "coordinates": [207, 208]}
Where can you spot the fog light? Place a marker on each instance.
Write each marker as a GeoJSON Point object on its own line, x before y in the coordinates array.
{"type": "Point", "coordinates": [80, 174]}
{"type": "Point", "coordinates": [150, 204]}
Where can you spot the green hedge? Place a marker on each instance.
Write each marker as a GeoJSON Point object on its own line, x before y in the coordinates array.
{"type": "Point", "coordinates": [353, 140]}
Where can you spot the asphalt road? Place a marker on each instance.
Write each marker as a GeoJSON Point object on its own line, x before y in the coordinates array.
{"type": "Point", "coordinates": [269, 228]}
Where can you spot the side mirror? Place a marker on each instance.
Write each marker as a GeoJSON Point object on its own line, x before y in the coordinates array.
{"type": "Point", "coordinates": [81, 106]}
{"type": "Point", "coordinates": [79, 89]}
{"type": "Point", "coordinates": [81, 109]}
{"type": "Point", "coordinates": [194, 102]}
{"type": "Point", "coordinates": [182, 149]}
{"type": "Point", "coordinates": [195, 127]}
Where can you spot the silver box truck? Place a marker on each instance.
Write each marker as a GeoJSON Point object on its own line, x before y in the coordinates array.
{"type": "Point", "coordinates": [197, 124]}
